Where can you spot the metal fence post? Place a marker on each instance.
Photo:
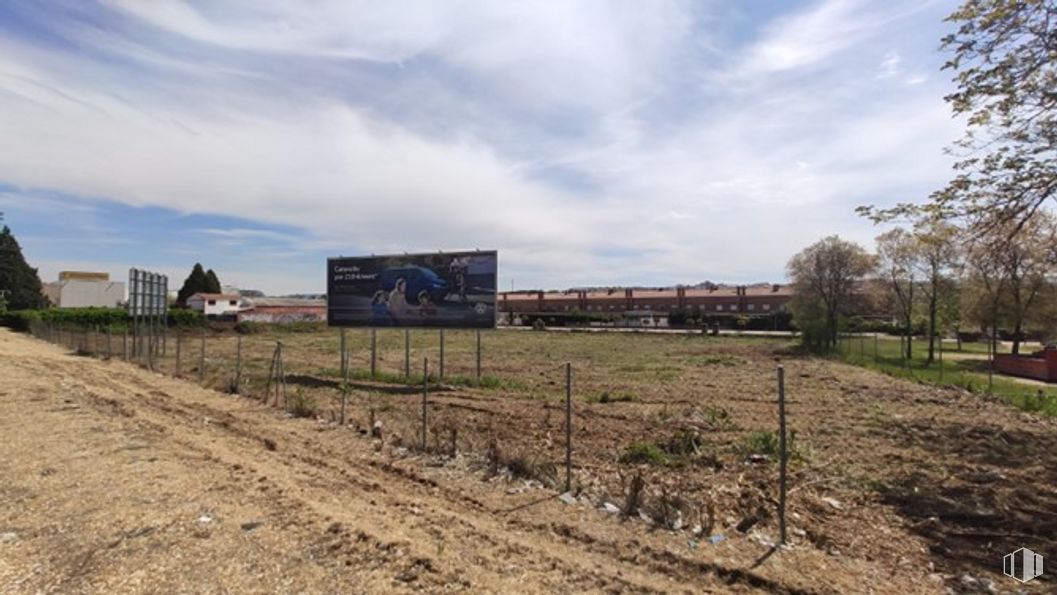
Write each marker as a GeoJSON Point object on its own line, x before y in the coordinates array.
{"type": "Point", "coordinates": [202, 359]}
{"type": "Point", "coordinates": [179, 345]}
{"type": "Point", "coordinates": [478, 355]}
{"type": "Point", "coordinates": [407, 353]}
{"type": "Point", "coordinates": [109, 345]}
{"type": "Point", "coordinates": [440, 371]}
{"type": "Point", "coordinates": [781, 453]}
{"type": "Point", "coordinates": [124, 344]}
{"type": "Point", "coordinates": [238, 365]}
{"type": "Point", "coordinates": [425, 395]}
{"type": "Point", "coordinates": [941, 359]}
{"type": "Point", "coordinates": [568, 426]}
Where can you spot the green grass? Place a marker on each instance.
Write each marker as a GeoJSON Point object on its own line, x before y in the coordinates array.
{"type": "Point", "coordinates": [970, 374]}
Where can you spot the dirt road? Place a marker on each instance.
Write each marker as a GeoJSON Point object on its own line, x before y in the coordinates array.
{"type": "Point", "coordinates": [118, 480]}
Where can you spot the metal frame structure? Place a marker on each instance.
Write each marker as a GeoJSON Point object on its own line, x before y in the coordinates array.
{"type": "Point", "coordinates": [148, 307]}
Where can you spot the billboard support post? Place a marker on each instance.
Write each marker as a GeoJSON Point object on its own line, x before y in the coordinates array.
{"type": "Point", "coordinates": [374, 352]}
{"type": "Point", "coordinates": [344, 358]}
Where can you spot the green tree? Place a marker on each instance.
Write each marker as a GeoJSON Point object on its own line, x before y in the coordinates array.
{"type": "Point", "coordinates": [1006, 73]}
{"type": "Point", "coordinates": [196, 282]}
{"type": "Point", "coordinates": [826, 277]}
{"type": "Point", "coordinates": [212, 282]}
{"type": "Point", "coordinates": [898, 255]}
{"type": "Point", "coordinates": [19, 282]}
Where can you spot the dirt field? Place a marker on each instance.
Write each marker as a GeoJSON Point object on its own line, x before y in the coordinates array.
{"type": "Point", "coordinates": [116, 479]}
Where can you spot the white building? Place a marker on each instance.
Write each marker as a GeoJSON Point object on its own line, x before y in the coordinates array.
{"type": "Point", "coordinates": [76, 289]}
{"type": "Point", "coordinates": [215, 304]}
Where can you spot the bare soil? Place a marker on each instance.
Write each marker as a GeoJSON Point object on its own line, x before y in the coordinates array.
{"type": "Point", "coordinates": [116, 479]}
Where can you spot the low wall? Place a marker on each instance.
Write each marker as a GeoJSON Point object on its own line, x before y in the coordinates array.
{"type": "Point", "coordinates": [1039, 368]}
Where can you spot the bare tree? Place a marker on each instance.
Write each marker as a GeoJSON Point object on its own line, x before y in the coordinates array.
{"type": "Point", "coordinates": [826, 276]}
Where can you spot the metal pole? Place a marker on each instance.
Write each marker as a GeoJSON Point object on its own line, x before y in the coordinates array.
{"type": "Point", "coordinates": [179, 344]}
{"type": "Point", "coordinates": [568, 426]}
{"type": "Point", "coordinates": [124, 344]}
{"type": "Point", "coordinates": [407, 353]}
{"type": "Point", "coordinates": [425, 395]}
{"type": "Point", "coordinates": [991, 359]}
{"type": "Point", "coordinates": [478, 355]}
{"type": "Point", "coordinates": [441, 370]}
{"type": "Point", "coordinates": [374, 352]}
{"type": "Point", "coordinates": [941, 358]}
{"type": "Point", "coordinates": [782, 453]}
{"type": "Point", "coordinates": [202, 359]}
{"type": "Point", "coordinates": [109, 344]}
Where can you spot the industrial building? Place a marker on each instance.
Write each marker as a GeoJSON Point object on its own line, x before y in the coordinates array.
{"type": "Point", "coordinates": [84, 289]}
{"type": "Point", "coordinates": [649, 304]}
{"type": "Point", "coordinates": [283, 310]}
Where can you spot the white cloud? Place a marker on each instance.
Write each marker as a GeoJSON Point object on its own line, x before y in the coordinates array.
{"type": "Point", "coordinates": [417, 126]}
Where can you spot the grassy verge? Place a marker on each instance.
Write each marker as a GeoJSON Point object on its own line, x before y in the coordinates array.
{"type": "Point", "coordinates": [966, 369]}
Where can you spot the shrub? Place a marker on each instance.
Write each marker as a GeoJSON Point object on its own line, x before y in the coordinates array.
{"type": "Point", "coordinates": [20, 320]}
{"type": "Point", "coordinates": [539, 325]}
{"type": "Point", "coordinates": [644, 452]}
{"type": "Point", "coordinates": [182, 318]}
{"type": "Point", "coordinates": [247, 327]}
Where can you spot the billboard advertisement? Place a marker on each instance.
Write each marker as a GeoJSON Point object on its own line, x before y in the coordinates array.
{"type": "Point", "coordinates": [437, 290]}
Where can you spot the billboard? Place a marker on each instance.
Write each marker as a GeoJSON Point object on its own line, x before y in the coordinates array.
{"type": "Point", "coordinates": [437, 290]}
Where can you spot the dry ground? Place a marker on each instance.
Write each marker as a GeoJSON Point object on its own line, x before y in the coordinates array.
{"type": "Point", "coordinates": [116, 479]}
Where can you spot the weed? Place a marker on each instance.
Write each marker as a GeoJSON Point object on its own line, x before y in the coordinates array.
{"type": "Point", "coordinates": [605, 397]}
{"type": "Point", "coordinates": [302, 404]}
{"type": "Point", "coordinates": [644, 452]}
{"type": "Point", "coordinates": [767, 443]}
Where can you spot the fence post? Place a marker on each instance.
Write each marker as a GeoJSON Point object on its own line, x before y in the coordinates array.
{"type": "Point", "coordinates": [124, 344]}
{"type": "Point", "coordinates": [784, 456]}
{"type": "Point", "coordinates": [478, 355]}
{"type": "Point", "coordinates": [440, 371]}
{"type": "Point", "coordinates": [407, 353]}
{"type": "Point", "coordinates": [179, 344]}
{"type": "Point", "coordinates": [374, 352]}
{"type": "Point", "coordinates": [875, 347]}
{"type": "Point", "coordinates": [568, 426]}
{"type": "Point", "coordinates": [991, 359]}
{"type": "Point", "coordinates": [425, 395]}
{"type": "Point", "coordinates": [238, 365]}
{"type": "Point", "coordinates": [202, 359]}
{"type": "Point", "coordinates": [941, 358]}
{"type": "Point", "coordinates": [109, 345]}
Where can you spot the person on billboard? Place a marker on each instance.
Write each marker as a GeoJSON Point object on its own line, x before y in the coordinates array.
{"type": "Point", "coordinates": [380, 309]}
{"type": "Point", "coordinates": [457, 268]}
{"type": "Point", "coordinates": [426, 309]}
{"type": "Point", "coordinates": [398, 301]}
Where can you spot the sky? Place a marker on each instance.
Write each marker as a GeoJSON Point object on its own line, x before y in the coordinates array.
{"type": "Point", "coordinates": [589, 142]}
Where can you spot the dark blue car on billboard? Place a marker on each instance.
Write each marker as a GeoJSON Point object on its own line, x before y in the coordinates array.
{"type": "Point", "coordinates": [418, 279]}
